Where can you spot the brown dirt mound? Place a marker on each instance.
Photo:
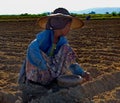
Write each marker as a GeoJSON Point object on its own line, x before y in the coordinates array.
{"type": "Point", "coordinates": [85, 92]}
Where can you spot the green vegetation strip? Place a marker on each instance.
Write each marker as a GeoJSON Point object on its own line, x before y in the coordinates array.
{"type": "Point", "coordinates": [35, 16]}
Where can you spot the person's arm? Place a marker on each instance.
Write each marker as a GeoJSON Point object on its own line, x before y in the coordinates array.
{"type": "Point", "coordinates": [34, 53]}
{"type": "Point", "coordinates": [76, 69]}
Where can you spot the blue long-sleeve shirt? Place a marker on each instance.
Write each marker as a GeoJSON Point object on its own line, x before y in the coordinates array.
{"type": "Point", "coordinates": [43, 42]}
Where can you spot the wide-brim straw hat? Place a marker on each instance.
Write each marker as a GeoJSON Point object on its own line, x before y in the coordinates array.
{"type": "Point", "coordinates": [76, 22]}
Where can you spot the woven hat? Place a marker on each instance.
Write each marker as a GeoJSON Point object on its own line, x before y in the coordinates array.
{"type": "Point", "coordinates": [58, 14]}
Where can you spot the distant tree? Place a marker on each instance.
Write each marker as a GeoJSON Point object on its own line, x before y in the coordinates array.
{"type": "Point", "coordinates": [74, 14]}
{"type": "Point", "coordinates": [114, 14]}
{"type": "Point", "coordinates": [107, 13]}
{"type": "Point", "coordinates": [25, 14]}
{"type": "Point", "coordinates": [92, 12]}
{"type": "Point", "coordinates": [44, 14]}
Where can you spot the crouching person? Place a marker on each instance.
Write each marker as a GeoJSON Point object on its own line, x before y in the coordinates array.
{"type": "Point", "coordinates": [49, 55]}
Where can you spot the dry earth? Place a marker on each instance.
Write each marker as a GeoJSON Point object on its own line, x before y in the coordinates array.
{"type": "Point", "coordinates": [97, 45]}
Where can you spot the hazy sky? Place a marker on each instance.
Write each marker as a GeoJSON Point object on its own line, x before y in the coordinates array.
{"type": "Point", "coordinates": [40, 6]}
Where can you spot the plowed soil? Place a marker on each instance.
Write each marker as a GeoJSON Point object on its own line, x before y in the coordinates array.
{"type": "Point", "coordinates": [97, 46]}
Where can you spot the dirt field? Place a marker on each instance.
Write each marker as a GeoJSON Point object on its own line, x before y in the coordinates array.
{"type": "Point", "coordinates": [97, 45]}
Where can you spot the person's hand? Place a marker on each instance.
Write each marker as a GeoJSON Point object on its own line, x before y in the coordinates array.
{"type": "Point", "coordinates": [86, 76]}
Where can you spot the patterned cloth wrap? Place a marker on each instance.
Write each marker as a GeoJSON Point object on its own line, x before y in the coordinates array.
{"type": "Point", "coordinates": [56, 65]}
{"type": "Point", "coordinates": [59, 61]}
